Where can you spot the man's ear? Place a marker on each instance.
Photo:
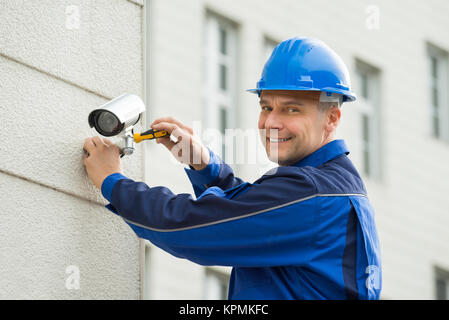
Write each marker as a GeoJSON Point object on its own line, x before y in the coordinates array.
{"type": "Point", "coordinates": [333, 118]}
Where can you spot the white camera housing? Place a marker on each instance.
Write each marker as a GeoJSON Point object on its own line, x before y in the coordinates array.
{"type": "Point", "coordinates": [117, 115]}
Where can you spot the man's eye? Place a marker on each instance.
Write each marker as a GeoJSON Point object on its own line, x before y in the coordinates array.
{"type": "Point", "coordinates": [266, 108]}
{"type": "Point", "coordinates": [292, 110]}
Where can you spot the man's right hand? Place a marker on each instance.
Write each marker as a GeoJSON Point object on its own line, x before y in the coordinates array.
{"type": "Point", "coordinates": [188, 148]}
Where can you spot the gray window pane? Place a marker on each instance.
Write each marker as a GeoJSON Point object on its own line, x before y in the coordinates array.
{"type": "Point", "coordinates": [223, 125]}
{"type": "Point", "coordinates": [223, 77]}
{"type": "Point", "coordinates": [436, 124]}
{"type": "Point", "coordinates": [366, 144]}
{"type": "Point", "coordinates": [364, 85]}
{"type": "Point", "coordinates": [223, 119]}
{"type": "Point", "coordinates": [223, 291]}
{"type": "Point", "coordinates": [435, 101]}
{"type": "Point", "coordinates": [441, 289]}
{"type": "Point", "coordinates": [434, 63]}
{"type": "Point", "coordinates": [223, 41]}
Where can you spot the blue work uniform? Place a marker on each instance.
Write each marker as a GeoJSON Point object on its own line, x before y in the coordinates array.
{"type": "Point", "coordinates": [304, 231]}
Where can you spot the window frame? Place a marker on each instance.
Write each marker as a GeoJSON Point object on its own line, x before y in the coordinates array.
{"type": "Point", "coordinates": [369, 108]}
{"type": "Point", "coordinates": [438, 113]}
{"type": "Point", "coordinates": [219, 101]}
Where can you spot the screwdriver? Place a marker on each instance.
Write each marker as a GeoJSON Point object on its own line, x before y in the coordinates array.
{"type": "Point", "coordinates": [150, 134]}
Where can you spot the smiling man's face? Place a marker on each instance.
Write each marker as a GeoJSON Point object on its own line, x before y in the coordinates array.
{"type": "Point", "coordinates": [301, 128]}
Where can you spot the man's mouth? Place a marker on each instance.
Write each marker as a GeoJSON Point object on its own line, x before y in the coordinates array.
{"type": "Point", "coordinates": [278, 140]}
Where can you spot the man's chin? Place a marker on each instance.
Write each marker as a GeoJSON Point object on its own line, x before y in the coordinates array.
{"type": "Point", "coordinates": [282, 161]}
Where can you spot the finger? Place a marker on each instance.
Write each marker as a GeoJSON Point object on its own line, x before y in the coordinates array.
{"type": "Point", "coordinates": [88, 145]}
{"type": "Point", "coordinates": [108, 142]}
{"type": "Point", "coordinates": [166, 142]}
{"type": "Point", "coordinates": [164, 138]}
{"type": "Point", "coordinates": [169, 127]}
{"type": "Point", "coordinates": [85, 156]}
{"type": "Point", "coordinates": [159, 120]}
{"type": "Point", "coordinates": [167, 138]}
{"type": "Point", "coordinates": [97, 141]}
{"type": "Point", "coordinates": [173, 121]}
{"type": "Point", "coordinates": [164, 119]}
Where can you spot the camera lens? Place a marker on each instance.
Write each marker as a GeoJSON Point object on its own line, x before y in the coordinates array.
{"type": "Point", "coordinates": [108, 124]}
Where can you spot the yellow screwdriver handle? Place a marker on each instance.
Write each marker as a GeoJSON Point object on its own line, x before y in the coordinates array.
{"type": "Point", "coordinates": [149, 135]}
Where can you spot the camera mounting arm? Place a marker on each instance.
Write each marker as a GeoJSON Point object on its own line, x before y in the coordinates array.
{"type": "Point", "coordinates": [129, 144]}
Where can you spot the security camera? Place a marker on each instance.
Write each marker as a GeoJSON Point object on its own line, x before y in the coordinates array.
{"type": "Point", "coordinates": [117, 116]}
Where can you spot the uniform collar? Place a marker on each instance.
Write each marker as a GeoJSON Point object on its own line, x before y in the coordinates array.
{"type": "Point", "coordinates": [327, 152]}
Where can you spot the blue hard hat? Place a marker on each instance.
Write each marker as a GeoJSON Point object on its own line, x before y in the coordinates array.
{"type": "Point", "coordinates": [305, 64]}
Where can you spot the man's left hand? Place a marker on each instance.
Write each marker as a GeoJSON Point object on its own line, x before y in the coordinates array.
{"type": "Point", "coordinates": [102, 161]}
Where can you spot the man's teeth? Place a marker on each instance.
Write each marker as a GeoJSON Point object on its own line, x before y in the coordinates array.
{"type": "Point", "coordinates": [279, 140]}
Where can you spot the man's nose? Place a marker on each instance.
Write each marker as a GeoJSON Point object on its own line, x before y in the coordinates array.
{"type": "Point", "coordinates": [273, 121]}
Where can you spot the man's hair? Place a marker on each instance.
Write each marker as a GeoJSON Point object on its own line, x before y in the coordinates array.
{"type": "Point", "coordinates": [324, 106]}
{"type": "Point", "coordinates": [328, 100]}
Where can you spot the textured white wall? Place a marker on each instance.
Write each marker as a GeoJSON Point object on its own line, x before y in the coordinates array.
{"type": "Point", "coordinates": [53, 217]}
{"type": "Point", "coordinates": [411, 203]}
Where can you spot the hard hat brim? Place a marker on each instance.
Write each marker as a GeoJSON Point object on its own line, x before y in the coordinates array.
{"type": "Point", "coordinates": [347, 97]}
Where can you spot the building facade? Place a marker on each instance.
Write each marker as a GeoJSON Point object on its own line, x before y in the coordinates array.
{"type": "Point", "coordinates": [193, 60]}
{"type": "Point", "coordinates": [58, 61]}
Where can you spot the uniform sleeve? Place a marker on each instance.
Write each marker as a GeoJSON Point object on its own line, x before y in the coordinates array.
{"type": "Point", "coordinates": [217, 173]}
{"type": "Point", "coordinates": [261, 224]}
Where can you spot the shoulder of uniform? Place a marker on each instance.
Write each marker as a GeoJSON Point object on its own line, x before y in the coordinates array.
{"type": "Point", "coordinates": [339, 176]}
{"type": "Point", "coordinates": [288, 176]}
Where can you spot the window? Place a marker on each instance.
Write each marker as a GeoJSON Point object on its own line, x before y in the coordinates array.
{"type": "Point", "coordinates": [216, 284]}
{"type": "Point", "coordinates": [367, 85]}
{"type": "Point", "coordinates": [220, 79]}
{"type": "Point", "coordinates": [439, 101]}
{"type": "Point", "coordinates": [441, 284]}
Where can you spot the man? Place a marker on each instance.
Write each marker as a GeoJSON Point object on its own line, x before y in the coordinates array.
{"type": "Point", "coordinates": [303, 231]}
